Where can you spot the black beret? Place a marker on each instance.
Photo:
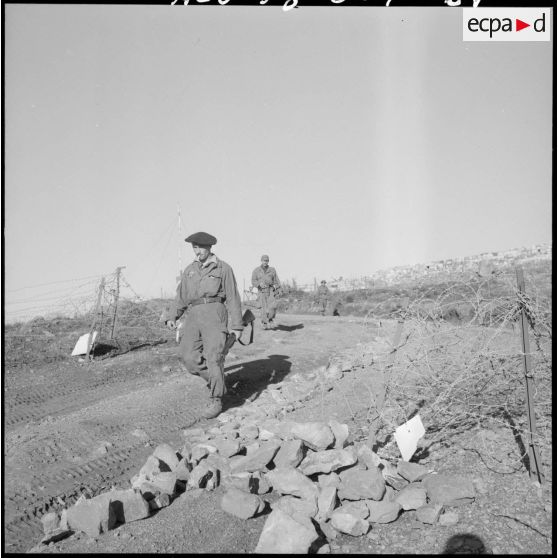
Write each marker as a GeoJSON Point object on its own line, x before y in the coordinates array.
{"type": "Point", "coordinates": [201, 238]}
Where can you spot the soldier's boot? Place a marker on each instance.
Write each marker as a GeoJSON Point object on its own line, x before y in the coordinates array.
{"type": "Point", "coordinates": [214, 409]}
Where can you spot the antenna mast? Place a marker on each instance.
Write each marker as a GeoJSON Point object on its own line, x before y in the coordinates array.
{"type": "Point", "coordinates": [179, 242]}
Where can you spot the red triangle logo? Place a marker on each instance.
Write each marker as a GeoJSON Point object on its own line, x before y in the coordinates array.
{"type": "Point", "coordinates": [519, 25]}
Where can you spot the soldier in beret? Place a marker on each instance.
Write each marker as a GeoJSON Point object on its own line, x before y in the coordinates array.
{"type": "Point", "coordinates": [207, 294]}
{"type": "Point", "coordinates": [265, 279]}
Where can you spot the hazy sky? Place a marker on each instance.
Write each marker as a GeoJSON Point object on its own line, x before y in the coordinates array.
{"type": "Point", "coordinates": [337, 140]}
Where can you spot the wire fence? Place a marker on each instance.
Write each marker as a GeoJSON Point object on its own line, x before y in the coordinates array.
{"type": "Point", "coordinates": [459, 364]}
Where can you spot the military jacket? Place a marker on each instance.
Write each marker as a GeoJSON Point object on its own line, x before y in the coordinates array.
{"type": "Point", "coordinates": [263, 279]}
{"type": "Point", "coordinates": [215, 279]}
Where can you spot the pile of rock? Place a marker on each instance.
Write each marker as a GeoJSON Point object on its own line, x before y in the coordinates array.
{"type": "Point", "coordinates": [317, 485]}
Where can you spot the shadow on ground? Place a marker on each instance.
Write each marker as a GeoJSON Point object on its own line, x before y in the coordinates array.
{"type": "Point", "coordinates": [465, 543]}
{"type": "Point", "coordinates": [280, 327]}
{"type": "Point", "coordinates": [247, 380]}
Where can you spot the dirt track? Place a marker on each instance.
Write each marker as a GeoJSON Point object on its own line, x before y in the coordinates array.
{"type": "Point", "coordinates": [76, 428]}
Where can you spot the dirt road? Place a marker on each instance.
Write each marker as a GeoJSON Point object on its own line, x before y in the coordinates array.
{"type": "Point", "coordinates": [76, 428]}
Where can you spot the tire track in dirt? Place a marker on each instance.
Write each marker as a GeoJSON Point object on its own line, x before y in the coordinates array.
{"type": "Point", "coordinates": [54, 399]}
{"type": "Point", "coordinates": [62, 487]}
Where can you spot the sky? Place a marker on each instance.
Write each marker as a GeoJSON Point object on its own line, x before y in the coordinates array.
{"type": "Point", "coordinates": [337, 140]}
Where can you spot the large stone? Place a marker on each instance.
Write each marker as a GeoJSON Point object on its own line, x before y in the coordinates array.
{"type": "Point", "coordinates": [93, 516]}
{"type": "Point", "coordinates": [358, 508]}
{"type": "Point", "coordinates": [226, 447]}
{"type": "Point", "coordinates": [411, 471]}
{"type": "Point", "coordinates": [348, 523]}
{"type": "Point", "coordinates": [248, 432]}
{"type": "Point", "coordinates": [316, 435]}
{"type": "Point", "coordinates": [282, 534]}
{"type": "Point", "coordinates": [241, 504]}
{"type": "Point", "coordinates": [263, 485]}
{"type": "Point", "coordinates": [361, 484]}
{"type": "Point", "coordinates": [151, 467]}
{"type": "Point", "coordinates": [449, 490]}
{"type": "Point", "coordinates": [332, 479]}
{"type": "Point", "coordinates": [340, 432]}
{"type": "Point", "coordinates": [129, 505]}
{"type": "Point", "coordinates": [164, 482]}
{"type": "Point", "coordinates": [201, 475]}
{"type": "Point", "coordinates": [411, 497]}
{"type": "Point", "coordinates": [367, 457]}
{"type": "Point", "coordinates": [326, 461]}
{"type": "Point", "coordinates": [219, 462]}
{"type": "Point", "coordinates": [201, 451]}
{"type": "Point", "coordinates": [297, 508]}
{"type": "Point", "coordinates": [383, 512]}
{"type": "Point", "coordinates": [327, 498]}
{"type": "Point", "coordinates": [182, 470]}
{"type": "Point", "coordinates": [290, 481]}
{"type": "Point", "coordinates": [290, 454]}
{"type": "Point", "coordinates": [242, 481]}
{"type": "Point", "coordinates": [429, 513]}
{"type": "Point", "coordinates": [166, 454]}
{"type": "Point", "coordinates": [258, 460]}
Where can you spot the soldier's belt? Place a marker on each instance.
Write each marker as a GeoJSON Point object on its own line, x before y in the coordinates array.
{"type": "Point", "coordinates": [206, 300]}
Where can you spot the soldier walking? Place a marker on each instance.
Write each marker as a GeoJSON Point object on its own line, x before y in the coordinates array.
{"type": "Point", "coordinates": [323, 295]}
{"type": "Point", "coordinates": [265, 279]}
{"type": "Point", "coordinates": [207, 294]}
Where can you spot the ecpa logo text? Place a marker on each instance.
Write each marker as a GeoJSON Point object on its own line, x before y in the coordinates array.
{"type": "Point", "coordinates": [506, 24]}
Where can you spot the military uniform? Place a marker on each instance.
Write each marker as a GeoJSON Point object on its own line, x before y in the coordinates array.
{"type": "Point", "coordinates": [207, 294]}
{"type": "Point", "coordinates": [265, 279]}
{"type": "Point", "coordinates": [323, 295]}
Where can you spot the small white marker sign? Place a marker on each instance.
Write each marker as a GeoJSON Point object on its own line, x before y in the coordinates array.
{"type": "Point", "coordinates": [82, 344]}
{"type": "Point", "coordinates": [407, 435]}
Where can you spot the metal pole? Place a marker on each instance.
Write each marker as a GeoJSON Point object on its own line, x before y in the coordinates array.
{"type": "Point", "coordinates": [93, 323]}
{"type": "Point", "coordinates": [118, 269]}
{"type": "Point", "coordinates": [534, 459]}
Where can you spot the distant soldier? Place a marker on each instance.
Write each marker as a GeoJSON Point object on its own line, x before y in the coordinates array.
{"type": "Point", "coordinates": [323, 296]}
{"type": "Point", "coordinates": [206, 294]}
{"type": "Point", "coordinates": [265, 279]}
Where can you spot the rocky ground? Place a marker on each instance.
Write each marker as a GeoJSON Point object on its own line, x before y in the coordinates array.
{"type": "Point", "coordinates": [94, 426]}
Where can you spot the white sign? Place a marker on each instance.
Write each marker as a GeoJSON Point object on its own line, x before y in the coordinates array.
{"type": "Point", "coordinates": [407, 435]}
{"type": "Point", "coordinates": [82, 344]}
{"type": "Point", "coordinates": [506, 24]}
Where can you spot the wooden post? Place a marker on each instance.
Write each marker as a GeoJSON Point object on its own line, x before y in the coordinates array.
{"type": "Point", "coordinates": [95, 318]}
{"type": "Point", "coordinates": [116, 300]}
{"type": "Point", "coordinates": [534, 459]}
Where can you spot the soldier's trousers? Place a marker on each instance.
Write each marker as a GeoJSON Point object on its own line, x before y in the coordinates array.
{"type": "Point", "coordinates": [268, 306]}
{"type": "Point", "coordinates": [202, 343]}
{"type": "Point", "coordinates": [322, 305]}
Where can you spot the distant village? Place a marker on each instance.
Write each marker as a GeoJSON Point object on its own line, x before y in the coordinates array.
{"type": "Point", "coordinates": [483, 264]}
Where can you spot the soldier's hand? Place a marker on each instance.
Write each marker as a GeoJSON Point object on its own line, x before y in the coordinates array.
{"type": "Point", "coordinates": [171, 324]}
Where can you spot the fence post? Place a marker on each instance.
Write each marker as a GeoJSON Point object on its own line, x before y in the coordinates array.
{"type": "Point", "coordinates": [95, 318]}
{"type": "Point", "coordinates": [118, 269]}
{"type": "Point", "coordinates": [534, 459]}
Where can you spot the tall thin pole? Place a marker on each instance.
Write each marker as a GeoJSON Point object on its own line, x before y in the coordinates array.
{"type": "Point", "coordinates": [95, 318]}
{"type": "Point", "coordinates": [534, 459]}
{"type": "Point", "coordinates": [118, 269]}
{"type": "Point", "coordinates": [179, 242]}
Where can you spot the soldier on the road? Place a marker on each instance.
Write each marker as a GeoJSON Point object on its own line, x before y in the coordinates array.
{"type": "Point", "coordinates": [265, 279]}
{"type": "Point", "coordinates": [207, 294]}
{"type": "Point", "coordinates": [323, 295]}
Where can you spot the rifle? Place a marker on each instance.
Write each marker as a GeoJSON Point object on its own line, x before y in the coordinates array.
{"type": "Point", "coordinates": [248, 318]}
